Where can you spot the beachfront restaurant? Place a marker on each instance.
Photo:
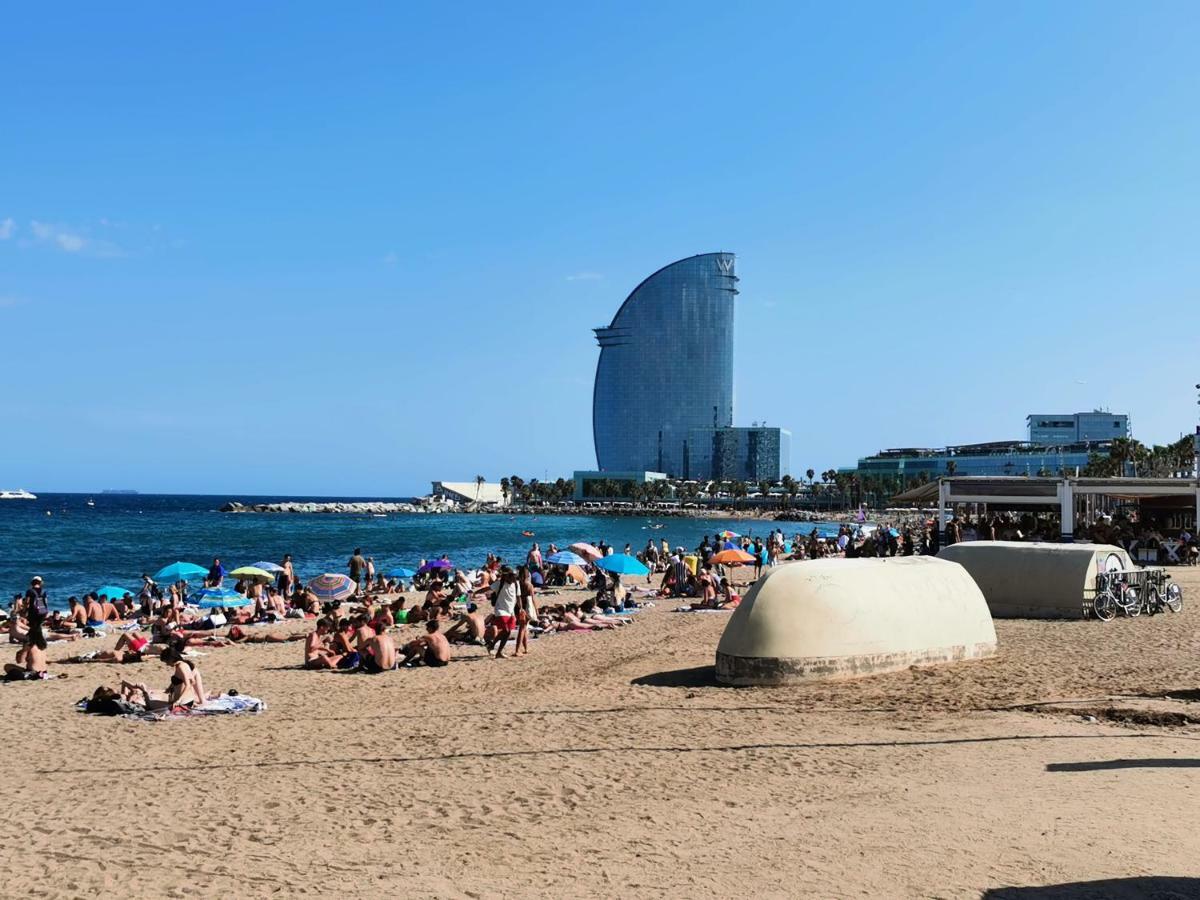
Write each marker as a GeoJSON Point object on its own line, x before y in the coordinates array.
{"type": "Point", "coordinates": [1168, 505]}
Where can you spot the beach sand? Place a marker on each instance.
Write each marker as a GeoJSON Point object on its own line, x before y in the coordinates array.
{"type": "Point", "coordinates": [612, 764]}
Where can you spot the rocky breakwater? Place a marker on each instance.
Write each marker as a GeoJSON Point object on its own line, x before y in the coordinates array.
{"type": "Point", "coordinates": [369, 508]}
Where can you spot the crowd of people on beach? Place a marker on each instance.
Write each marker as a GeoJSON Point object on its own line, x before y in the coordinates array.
{"type": "Point", "coordinates": [497, 606]}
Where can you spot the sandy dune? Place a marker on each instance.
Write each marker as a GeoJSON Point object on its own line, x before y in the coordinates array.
{"type": "Point", "coordinates": [611, 764]}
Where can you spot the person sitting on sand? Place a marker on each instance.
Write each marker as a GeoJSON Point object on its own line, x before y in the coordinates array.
{"type": "Point", "coordinates": [416, 615]}
{"type": "Point", "coordinates": [186, 689]}
{"type": "Point", "coordinates": [30, 663]}
{"type": "Point", "coordinates": [317, 652]}
{"type": "Point", "coordinates": [469, 628]}
{"type": "Point", "coordinates": [76, 614]}
{"type": "Point", "coordinates": [432, 649]}
{"type": "Point", "coordinates": [94, 611]}
{"type": "Point", "coordinates": [378, 653]}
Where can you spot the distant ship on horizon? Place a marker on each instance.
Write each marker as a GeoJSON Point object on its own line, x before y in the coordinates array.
{"type": "Point", "coordinates": [117, 491]}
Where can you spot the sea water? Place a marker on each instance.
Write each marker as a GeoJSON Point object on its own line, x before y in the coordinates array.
{"type": "Point", "coordinates": [77, 548]}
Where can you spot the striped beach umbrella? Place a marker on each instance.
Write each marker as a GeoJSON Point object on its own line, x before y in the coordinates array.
{"type": "Point", "coordinates": [331, 586]}
{"type": "Point", "coordinates": [566, 558]}
{"type": "Point", "coordinates": [271, 567]}
{"type": "Point", "coordinates": [212, 598]}
{"type": "Point", "coordinates": [586, 550]}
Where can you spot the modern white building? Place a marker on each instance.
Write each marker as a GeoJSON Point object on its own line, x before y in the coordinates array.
{"type": "Point", "coordinates": [486, 494]}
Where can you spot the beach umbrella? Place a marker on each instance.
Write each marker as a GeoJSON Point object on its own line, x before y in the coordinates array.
{"type": "Point", "coordinates": [112, 592]}
{"type": "Point", "coordinates": [565, 558]}
{"type": "Point", "coordinates": [211, 598]}
{"type": "Point", "coordinates": [727, 535]}
{"type": "Point", "coordinates": [730, 545]}
{"type": "Point", "coordinates": [622, 564]}
{"type": "Point", "coordinates": [587, 551]}
{"type": "Point", "coordinates": [399, 572]}
{"type": "Point", "coordinates": [731, 558]}
{"type": "Point", "coordinates": [180, 571]}
{"type": "Point", "coordinates": [251, 573]}
{"type": "Point", "coordinates": [268, 567]}
{"type": "Point", "coordinates": [435, 564]}
{"type": "Point", "coordinates": [332, 587]}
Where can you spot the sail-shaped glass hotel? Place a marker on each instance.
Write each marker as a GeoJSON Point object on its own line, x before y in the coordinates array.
{"type": "Point", "coordinates": [664, 382]}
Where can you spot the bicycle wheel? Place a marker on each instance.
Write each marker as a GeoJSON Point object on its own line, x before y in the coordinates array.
{"type": "Point", "coordinates": [1131, 601]}
{"type": "Point", "coordinates": [1104, 607]}
{"type": "Point", "coordinates": [1154, 602]}
{"type": "Point", "coordinates": [1174, 597]}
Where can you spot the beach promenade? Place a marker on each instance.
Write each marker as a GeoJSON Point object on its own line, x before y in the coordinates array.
{"type": "Point", "coordinates": [611, 764]}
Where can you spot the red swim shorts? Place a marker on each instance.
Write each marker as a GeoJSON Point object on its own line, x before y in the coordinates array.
{"type": "Point", "coordinates": [505, 623]}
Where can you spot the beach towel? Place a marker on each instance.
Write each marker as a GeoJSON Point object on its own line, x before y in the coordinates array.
{"type": "Point", "coordinates": [225, 705]}
{"type": "Point", "coordinates": [690, 610]}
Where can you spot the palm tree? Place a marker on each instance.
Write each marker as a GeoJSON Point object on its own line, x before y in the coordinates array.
{"type": "Point", "coordinates": [505, 489]}
{"type": "Point", "coordinates": [951, 467]}
{"type": "Point", "coordinates": [810, 473]}
{"type": "Point", "coordinates": [479, 483]}
{"type": "Point", "coordinates": [739, 491]}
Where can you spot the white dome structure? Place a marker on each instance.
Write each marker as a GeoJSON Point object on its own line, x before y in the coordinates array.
{"type": "Point", "coordinates": [1034, 580]}
{"type": "Point", "coordinates": [842, 618]}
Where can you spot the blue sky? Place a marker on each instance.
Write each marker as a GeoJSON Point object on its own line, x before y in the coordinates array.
{"type": "Point", "coordinates": [282, 248]}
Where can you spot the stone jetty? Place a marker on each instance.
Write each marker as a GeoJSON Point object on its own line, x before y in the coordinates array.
{"type": "Point", "coordinates": [368, 508]}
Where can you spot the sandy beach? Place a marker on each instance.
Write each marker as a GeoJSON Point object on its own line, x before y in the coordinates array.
{"type": "Point", "coordinates": [612, 764]}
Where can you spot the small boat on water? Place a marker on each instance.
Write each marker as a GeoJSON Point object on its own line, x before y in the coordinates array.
{"type": "Point", "coordinates": [17, 495]}
{"type": "Point", "coordinates": [91, 502]}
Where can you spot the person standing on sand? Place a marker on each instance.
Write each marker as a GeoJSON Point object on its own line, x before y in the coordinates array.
{"type": "Point", "coordinates": [357, 565]}
{"type": "Point", "coordinates": [505, 599]}
{"type": "Point", "coordinates": [287, 578]}
{"type": "Point", "coordinates": [216, 574]}
{"type": "Point", "coordinates": [370, 571]}
{"type": "Point", "coordinates": [526, 611]}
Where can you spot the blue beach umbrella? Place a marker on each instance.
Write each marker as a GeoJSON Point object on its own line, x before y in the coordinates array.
{"type": "Point", "coordinates": [180, 571]}
{"type": "Point", "coordinates": [271, 567]}
{"type": "Point", "coordinates": [112, 592]}
{"type": "Point", "coordinates": [211, 598]}
{"type": "Point", "coordinates": [566, 558]}
{"type": "Point", "coordinates": [622, 564]}
{"type": "Point", "coordinates": [400, 572]}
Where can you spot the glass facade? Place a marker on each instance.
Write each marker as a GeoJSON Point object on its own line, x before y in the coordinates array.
{"type": "Point", "coordinates": [755, 454]}
{"type": "Point", "coordinates": [1075, 428]}
{"type": "Point", "coordinates": [666, 366]}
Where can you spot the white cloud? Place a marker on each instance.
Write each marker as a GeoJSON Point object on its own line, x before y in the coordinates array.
{"type": "Point", "coordinates": [71, 240]}
{"type": "Point", "coordinates": [7, 228]}
{"type": "Point", "coordinates": [585, 276]}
